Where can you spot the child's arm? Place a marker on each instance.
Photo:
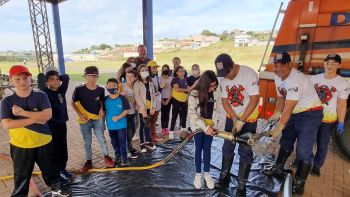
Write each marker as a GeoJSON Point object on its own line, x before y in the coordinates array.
{"type": "Point", "coordinates": [178, 89]}
{"type": "Point", "coordinates": [11, 124]}
{"type": "Point", "coordinates": [126, 107]}
{"type": "Point", "coordinates": [65, 82]}
{"type": "Point", "coordinates": [44, 115]}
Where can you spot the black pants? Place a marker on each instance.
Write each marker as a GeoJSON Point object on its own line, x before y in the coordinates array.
{"type": "Point", "coordinates": [165, 114]}
{"type": "Point", "coordinates": [179, 108]}
{"type": "Point", "coordinates": [23, 164]}
{"type": "Point", "coordinates": [131, 128]}
{"type": "Point", "coordinates": [59, 141]}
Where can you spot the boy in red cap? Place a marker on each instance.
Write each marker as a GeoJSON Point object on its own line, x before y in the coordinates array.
{"type": "Point", "coordinates": [25, 115]}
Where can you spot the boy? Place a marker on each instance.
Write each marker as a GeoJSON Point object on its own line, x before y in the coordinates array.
{"type": "Point", "coordinates": [117, 107]}
{"type": "Point", "coordinates": [25, 114]}
{"type": "Point", "coordinates": [88, 104]}
{"type": "Point", "coordinates": [56, 90]}
{"type": "Point", "coordinates": [131, 118]}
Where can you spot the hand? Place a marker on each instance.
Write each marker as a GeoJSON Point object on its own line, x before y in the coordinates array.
{"type": "Point", "coordinates": [152, 111]}
{"type": "Point", "coordinates": [188, 89]}
{"type": "Point", "coordinates": [115, 118]}
{"type": "Point", "coordinates": [276, 131]}
{"type": "Point", "coordinates": [162, 85]}
{"type": "Point", "coordinates": [275, 117]}
{"type": "Point", "coordinates": [238, 126]}
{"type": "Point", "coordinates": [101, 113]}
{"type": "Point", "coordinates": [144, 113]}
{"type": "Point", "coordinates": [17, 111]}
{"type": "Point", "coordinates": [83, 117]}
{"type": "Point", "coordinates": [210, 131]}
{"type": "Point", "coordinates": [40, 122]}
{"type": "Point", "coordinates": [340, 128]}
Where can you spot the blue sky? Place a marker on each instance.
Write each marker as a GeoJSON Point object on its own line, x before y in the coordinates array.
{"type": "Point", "coordinates": [85, 23]}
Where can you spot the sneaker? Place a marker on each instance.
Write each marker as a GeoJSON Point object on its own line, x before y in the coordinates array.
{"type": "Point", "coordinates": [171, 135]}
{"type": "Point", "coordinates": [143, 148]}
{"type": "Point", "coordinates": [150, 145]}
{"type": "Point", "coordinates": [209, 180]}
{"type": "Point", "coordinates": [197, 181]}
{"type": "Point", "coordinates": [315, 171]}
{"type": "Point", "coordinates": [156, 138]}
{"type": "Point", "coordinates": [166, 131]}
{"type": "Point", "coordinates": [117, 161]}
{"type": "Point", "coordinates": [61, 191]}
{"type": "Point", "coordinates": [133, 154]}
{"type": "Point", "coordinates": [66, 175]}
{"type": "Point", "coordinates": [86, 167]}
{"type": "Point", "coordinates": [109, 162]}
{"type": "Point", "coordinates": [163, 132]}
{"type": "Point", "coordinates": [124, 163]}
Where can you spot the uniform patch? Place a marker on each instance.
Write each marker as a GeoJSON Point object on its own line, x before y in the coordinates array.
{"type": "Point", "coordinates": [235, 95]}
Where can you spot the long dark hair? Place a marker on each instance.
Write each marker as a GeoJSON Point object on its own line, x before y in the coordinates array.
{"type": "Point", "coordinates": [148, 79]}
{"type": "Point", "coordinates": [202, 87]}
{"type": "Point", "coordinates": [122, 70]}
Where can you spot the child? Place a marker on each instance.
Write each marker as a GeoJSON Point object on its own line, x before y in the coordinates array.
{"type": "Point", "coordinates": [88, 104]}
{"type": "Point", "coordinates": [203, 105]}
{"type": "Point", "coordinates": [179, 94]}
{"type": "Point", "coordinates": [117, 107]}
{"type": "Point", "coordinates": [56, 90]}
{"type": "Point", "coordinates": [25, 115]}
{"type": "Point", "coordinates": [144, 94]}
{"type": "Point", "coordinates": [131, 118]}
{"type": "Point", "coordinates": [195, 76]}
{"type": "Point", "coordinates": [165, 81]}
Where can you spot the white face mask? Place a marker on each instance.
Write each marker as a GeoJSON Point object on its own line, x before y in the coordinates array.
{"type": "Point", "coordinates": [133, 65]}
{"type": "Point", "coordinates": [144, 74]}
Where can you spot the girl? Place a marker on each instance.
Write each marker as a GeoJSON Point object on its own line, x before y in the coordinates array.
{"type": "Point", "coordinates": [195, 76]}
{"type": "Point", "coordinates": [165, 81]}
{"type": "Point", "coordinates": [203, 105]}
{"type": "Point", "coordinates": [180, 91]}
{"type": "Point", "coordinates": [144, 94]}
{"type": "Point", "coordinates": [121, 74]}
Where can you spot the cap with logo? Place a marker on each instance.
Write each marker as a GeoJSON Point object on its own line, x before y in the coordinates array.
{"type": "Point", "coordinates": [282, 57]}
{"type": "Point", "coordinates": [50, 68]}
{"type": "Point", "coordinates": [223, 64]}
{"type": "Point", "coordinates": [152, 63]}
{"type": "Point", "coordinates": [334, 57]}
{"type": "Point", "coordinates": [19, 69]}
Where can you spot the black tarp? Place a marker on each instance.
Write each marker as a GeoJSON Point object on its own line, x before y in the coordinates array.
{"type": "Point", "coordinates": [175, 178]}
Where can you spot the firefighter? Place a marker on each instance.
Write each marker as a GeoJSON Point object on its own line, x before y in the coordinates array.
{"type": "Point", "coordinates": [240, 96]}
{"type": "Point", "coordinates": [300, 112]}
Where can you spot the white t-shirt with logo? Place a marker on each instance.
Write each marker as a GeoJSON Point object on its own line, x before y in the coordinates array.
{"type": "Point", "coordinates": [238, 90]}
{"type": "Point", "coordinates": [129, 94]}
{"type": "Point", "coordinates": [328, 91]}
{"type": "Point", "coordinates": [298, 87]}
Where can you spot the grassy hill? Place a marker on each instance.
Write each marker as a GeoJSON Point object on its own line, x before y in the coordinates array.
{"type": "Point", "coordinates": [205, 57]}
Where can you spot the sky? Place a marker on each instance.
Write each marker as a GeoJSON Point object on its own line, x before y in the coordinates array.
{"type": "Point", "coordinates": [85, 22]}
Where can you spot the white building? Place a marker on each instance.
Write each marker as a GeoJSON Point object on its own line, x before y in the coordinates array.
{"type": "Point", "coordinates": [243, 40]}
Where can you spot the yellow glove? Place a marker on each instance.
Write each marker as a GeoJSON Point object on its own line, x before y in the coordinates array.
{"type": "Point", "coordinates": [238, 126]}
{"type": "Point", "coordinates": [275, 132]}
{"type": "Point", "coordinates": [275, 117]}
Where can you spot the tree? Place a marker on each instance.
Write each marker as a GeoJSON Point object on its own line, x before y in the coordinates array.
{"type": "Point", "coordinates": [208, 33]}
{"type": "Point", "coordinates": [224, 35]}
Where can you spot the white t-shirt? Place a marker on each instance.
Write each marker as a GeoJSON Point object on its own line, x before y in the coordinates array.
{"type": "Point", "coordinates": [129, 94]}
{"type": "Point", "coordinates": [166, 91]}
{"type": "Point", "coordinates": [238, 90]}
{"type": "Point", "coordinates": [298, 87]}
{"type": "Point", "coordinates": [328, 91]}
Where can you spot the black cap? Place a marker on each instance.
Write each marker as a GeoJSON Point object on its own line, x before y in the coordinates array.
{"type": "Point", "coordinates": [91, 70]}
{"type": "Point", "coordinates": [334, 57]}
{"type": "Point", "coordinates": [282, 57]}
{"type": "Point", "coordinates": [223, 64]}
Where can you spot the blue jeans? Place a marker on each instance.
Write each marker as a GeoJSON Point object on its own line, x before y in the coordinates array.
{"type": "Point", "coordinates": [303, 128]}
{"type": "Point", "coordinates": [202, 143]}
{"type": "Point", "coordinates": [244, 151]}
{"type": "Point", "coordinates": [86, 131]}
{"type": "Point", "coordinates": [118, 140]}
{"type": "Point", "coordinates": [145, 131]}
{"type": "Point", "coordinates": [323, 137]}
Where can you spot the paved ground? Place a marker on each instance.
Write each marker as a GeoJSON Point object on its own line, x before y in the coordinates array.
{"type": "Point", "coordinates": [334, 180]}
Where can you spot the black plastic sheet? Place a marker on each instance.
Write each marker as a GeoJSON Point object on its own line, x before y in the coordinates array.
{"type": "Point", "coordinates": [174, 178]}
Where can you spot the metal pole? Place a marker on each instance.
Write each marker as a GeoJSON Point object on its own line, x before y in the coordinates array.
{"type": "Point", "coordinates": [58, 37]}
{"type": "Point", "coordinates": [147, 15]}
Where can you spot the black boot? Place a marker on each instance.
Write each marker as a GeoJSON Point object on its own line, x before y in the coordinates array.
{"type": "Point", "coordinates": [277, 170]}
{"type": "Point", "coordinates": [225, 175]}
{"type": "Point", "coordinates": [300, 177]}
{"type": "Point", "coordinates": [243, 173]}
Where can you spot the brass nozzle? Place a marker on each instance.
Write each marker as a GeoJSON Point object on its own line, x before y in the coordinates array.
{"type": "Point", "coordinates": [226, 135]}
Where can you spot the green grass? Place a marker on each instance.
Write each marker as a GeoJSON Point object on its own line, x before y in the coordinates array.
{"type": "Point", "coordinates": [205, 57]}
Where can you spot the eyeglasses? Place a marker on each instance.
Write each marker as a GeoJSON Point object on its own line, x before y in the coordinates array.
{"type": "Point", "coordinates": [91, 75]}
{"type": "Point", "coordinates": [331, 63]}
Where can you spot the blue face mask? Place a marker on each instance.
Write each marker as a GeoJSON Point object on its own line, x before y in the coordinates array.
{"type": "Point", "coordinates": [112, 90]}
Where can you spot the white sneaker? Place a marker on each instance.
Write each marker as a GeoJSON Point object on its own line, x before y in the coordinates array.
{"type": "Point", "coordinates": [171, 135]}
{"type": "Point", "coordinates": [209, 180]}
{"type": "Point", "coordinates": [197, 181]}
{"type": "Point", "coordinates": [183, 129]}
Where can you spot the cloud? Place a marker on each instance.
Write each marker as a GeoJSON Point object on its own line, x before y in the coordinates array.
{"type": "Point", "coordinates": [118, 22]}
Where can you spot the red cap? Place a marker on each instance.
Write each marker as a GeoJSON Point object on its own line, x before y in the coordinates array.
{"type": "Point", "coordinates": [17, 69]}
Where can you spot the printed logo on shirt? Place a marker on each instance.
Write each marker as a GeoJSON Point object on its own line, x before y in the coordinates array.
{"type": "Point", "coordinates": [60, 98]}
{"type": "Point", "coordinates": [235, 95]}
{"type": "Point", "coordinates": [282, 92]}
{"type": "Point", "coordinates": [294, 89]}
{"type": "Point", "coordinates": [325, 93]}
{"type": "Point", "coordinates": [255, 83]}
{"type": "Point", "coordinates": [97, 98]}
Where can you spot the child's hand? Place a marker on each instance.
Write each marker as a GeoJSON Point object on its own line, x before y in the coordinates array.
{"type": "Point", "coordinates": [152, 111]}
{"type": "Point", "coordinates": [144, 113]}
{"type": "Point", "coordinates": [210, 131]}
{"type": "Point", "coordinates": [40, 122]}
{"type": "Point", "coordinates": [188, 89]}
{"type": "Point", "coordinates": [83, 117]}
{"type": "Point", "coordinates": [101, 113]}
{"type": "Point", "coordinates": [17, 111]}
{"type": "Point", "coordinates": [115, 118]}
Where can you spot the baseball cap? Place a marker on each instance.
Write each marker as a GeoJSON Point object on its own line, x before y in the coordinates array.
{"type": "Point", "coordinates": [50, 68]}
{"type": "Point", "coordinates": [334, 57]}
{"type": "Point", "coordinates": [282, 57]}
{"type": "Point", "coordinates": [18, 69]}
{"type": "Point", "coordinates": [152, 63]}
{"type": "Point", "coordinates": [223, 64]}
{"type": "Point", "coordinates": [91, 70]}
